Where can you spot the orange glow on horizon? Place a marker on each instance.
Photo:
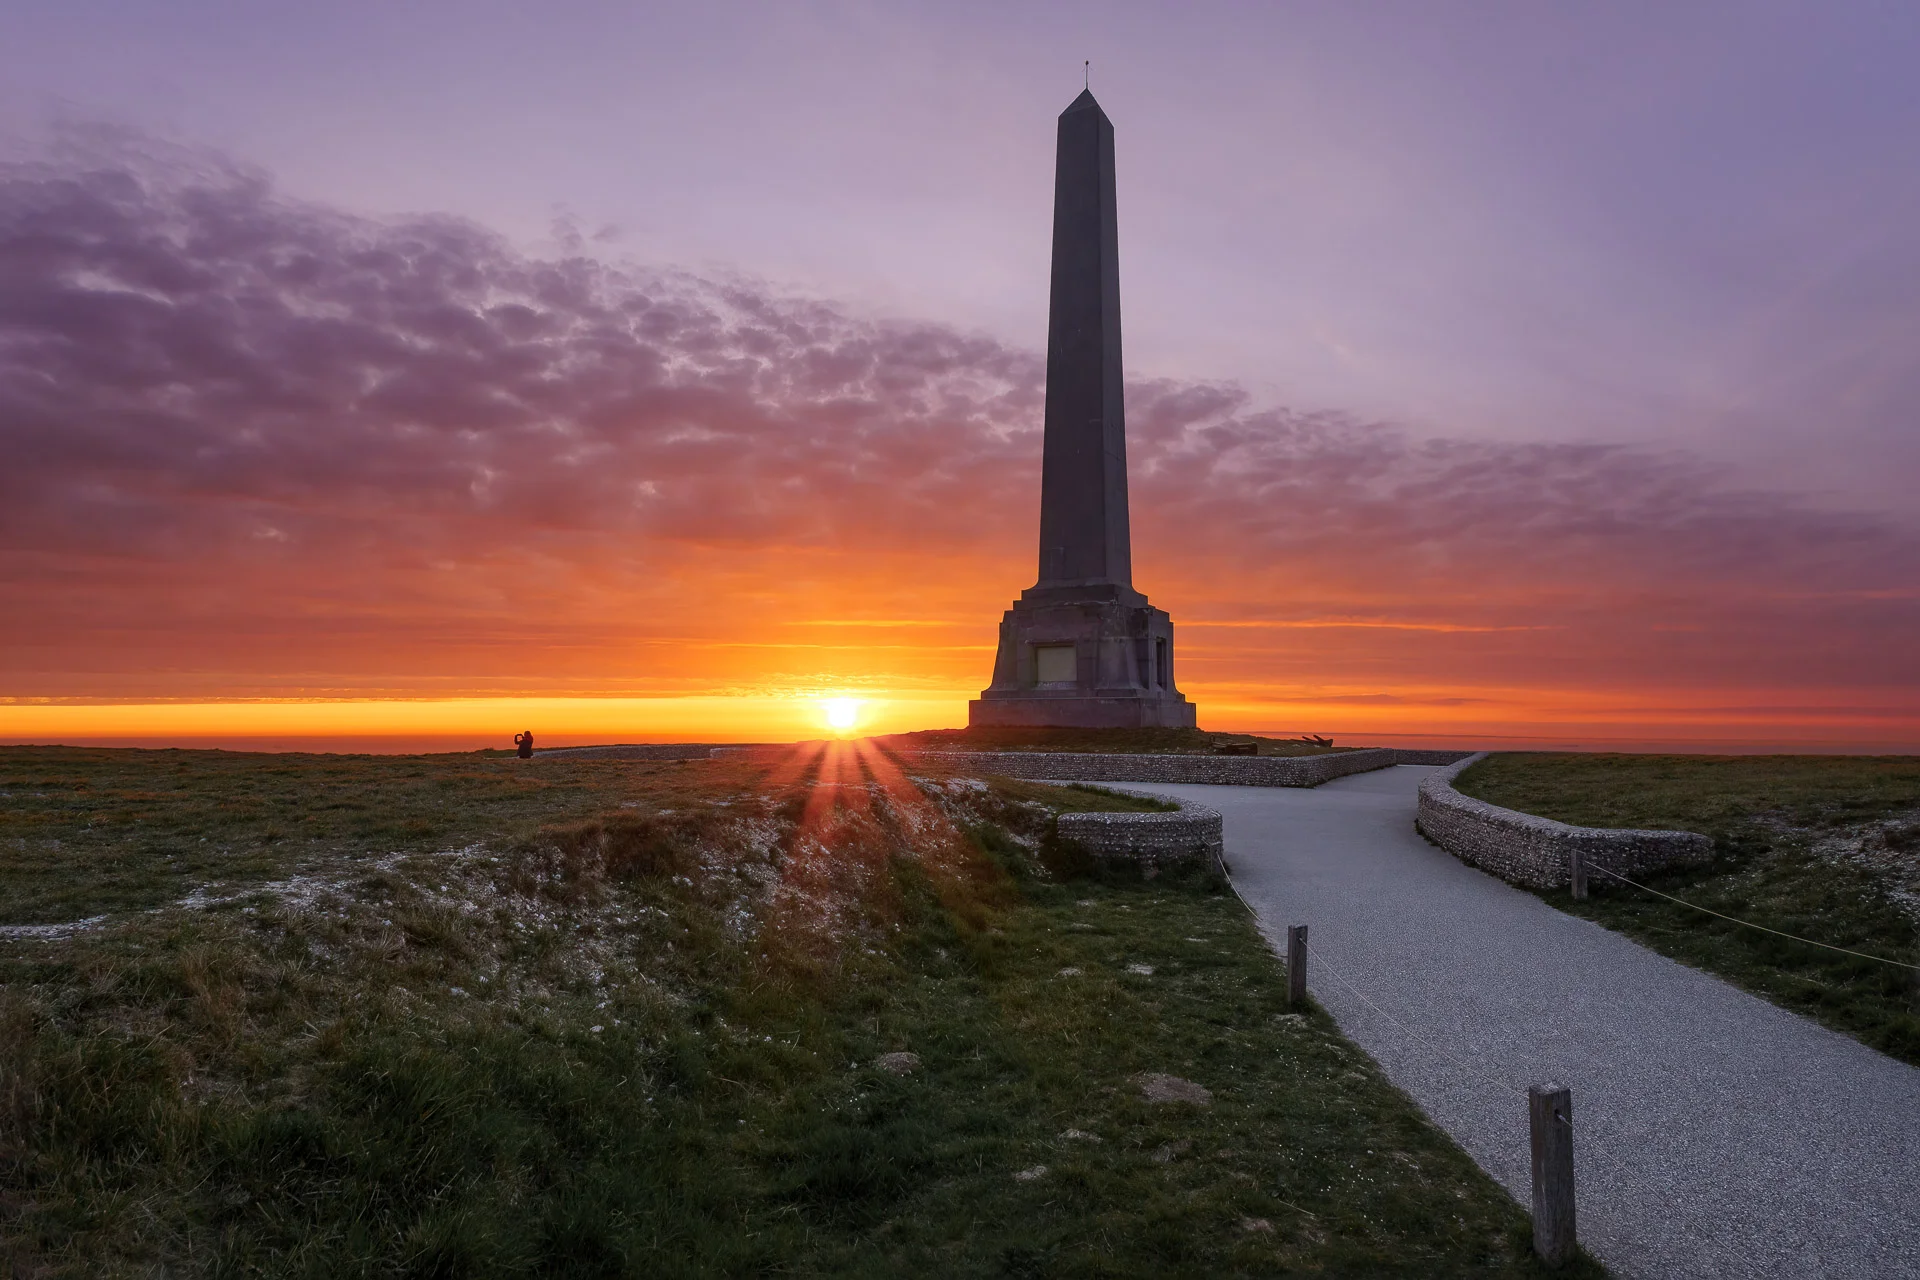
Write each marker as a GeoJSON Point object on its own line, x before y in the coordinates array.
{"type": "Point", "coordinates": [752, 646]}
{"type": "Point", "coordinates": [1833, 718]}
{"type": "Point", "coordinates": [744, 718]}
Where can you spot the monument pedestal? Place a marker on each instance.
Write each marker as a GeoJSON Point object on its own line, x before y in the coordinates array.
{"type": "Point", "coordinates": [1096, 656]}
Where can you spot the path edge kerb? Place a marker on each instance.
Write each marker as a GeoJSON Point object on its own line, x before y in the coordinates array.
{"type": "Point", "coordinates": [1536, 852]}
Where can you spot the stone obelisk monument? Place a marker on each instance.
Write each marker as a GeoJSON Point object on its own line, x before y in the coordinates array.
{"type": "Point", "coordinates": [1081, 647]}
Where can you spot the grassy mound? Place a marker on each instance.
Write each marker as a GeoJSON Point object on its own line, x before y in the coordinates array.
{"type": "Point", "coordinates": [1824, 847]}
{"type": "Point", "coordinates": [630, 1018]}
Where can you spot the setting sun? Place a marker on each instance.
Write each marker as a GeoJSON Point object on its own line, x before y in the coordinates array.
{"type": "Point", "coordinates": [842, 713]}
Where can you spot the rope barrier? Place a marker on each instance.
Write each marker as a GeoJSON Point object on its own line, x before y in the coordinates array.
{"type": "Point", "coordinates": [1750, 924]}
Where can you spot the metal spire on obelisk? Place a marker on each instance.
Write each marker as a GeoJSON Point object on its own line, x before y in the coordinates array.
{"type": "Point", "coordinates": [1081, 646]}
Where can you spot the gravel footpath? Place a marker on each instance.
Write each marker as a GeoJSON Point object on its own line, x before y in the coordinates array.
{"type": "Point", "coordinates": [1716, 1135]}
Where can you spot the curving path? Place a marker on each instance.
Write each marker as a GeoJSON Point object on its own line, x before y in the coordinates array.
{"type": "Point", "coordinates": [1716, 1135]}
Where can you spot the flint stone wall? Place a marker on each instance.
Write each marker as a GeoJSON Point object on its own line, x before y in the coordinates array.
{"type": "Point", "coordinates": [1238, 771]}
{"type": "Point", "coordinates": [1537, 852]}
{"type": "Point", "coordinates": [1152, 840]}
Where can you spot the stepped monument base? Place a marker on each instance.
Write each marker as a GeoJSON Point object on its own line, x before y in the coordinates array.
{"type": "Point", "coordinates": [1093, 658]}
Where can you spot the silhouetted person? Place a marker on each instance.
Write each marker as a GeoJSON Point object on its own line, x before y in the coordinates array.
{"type": "Point", "coordinates": [524, 741]}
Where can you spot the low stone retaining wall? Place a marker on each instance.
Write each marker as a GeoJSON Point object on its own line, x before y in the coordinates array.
{"type": "Point", "coordinates": [1421, 755]}
{"type": "Point", "coordinates": [1153, 841]}
{"type": "Point", "coordinates": [1536, 852]}
{"type": "Point", "coordinates": [1238, 771]}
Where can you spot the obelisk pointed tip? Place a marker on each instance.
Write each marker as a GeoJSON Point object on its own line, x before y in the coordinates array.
{"type": "Point", "coordinates": [1084, 102]}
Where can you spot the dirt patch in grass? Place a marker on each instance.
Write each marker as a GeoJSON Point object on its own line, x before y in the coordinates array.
{"type": "Point", "coordinates": [1823, 847]}
{"type": "Point", "coordinates": [651, 1021]}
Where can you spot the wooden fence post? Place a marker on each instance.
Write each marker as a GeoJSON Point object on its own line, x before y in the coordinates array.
{"type": "Point", "coordinates": [1577, 872]}
{"type": "Point", "coordinates": [1550, 1116]}
{"type": "Point", "coordinates": [1296, 964]}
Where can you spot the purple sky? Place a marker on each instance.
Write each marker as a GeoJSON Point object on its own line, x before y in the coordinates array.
{"type": "Point", "coordinates": [1692, 226]}
{"type": "Point", "coordinates": [1494, 369]}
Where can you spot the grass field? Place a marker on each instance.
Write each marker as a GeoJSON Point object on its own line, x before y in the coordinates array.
{"type": "Point", "coordinates": [460, 1015]}
{"type": "Point", "coordinates": [1824, 847]}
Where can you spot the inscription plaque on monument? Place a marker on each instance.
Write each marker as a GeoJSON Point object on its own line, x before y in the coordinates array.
{"type": "Point", "coordinates": [1081, 647]}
